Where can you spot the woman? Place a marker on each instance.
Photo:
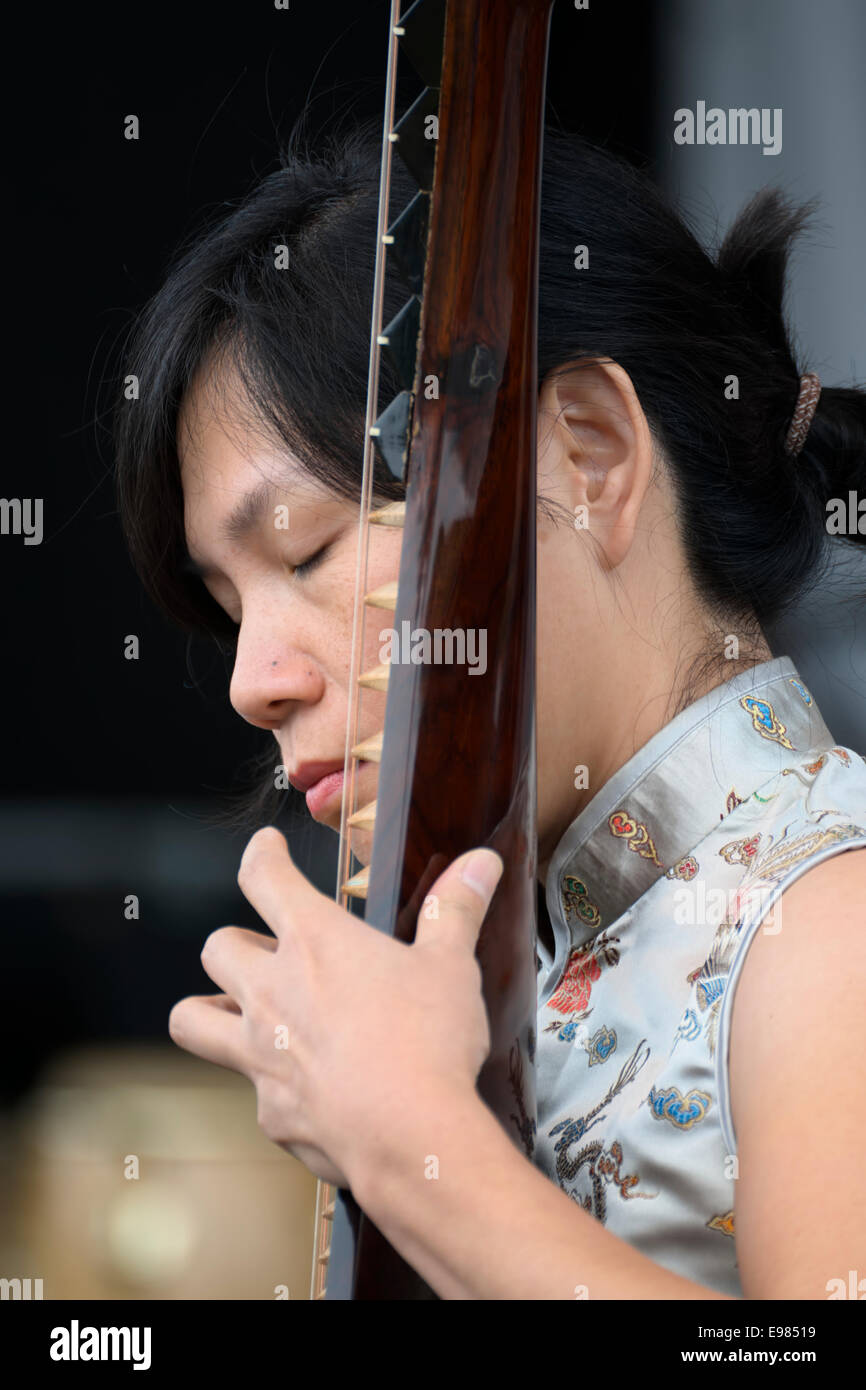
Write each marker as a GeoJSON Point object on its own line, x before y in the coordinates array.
{"type": "Point", "coordinates": [702, 839]}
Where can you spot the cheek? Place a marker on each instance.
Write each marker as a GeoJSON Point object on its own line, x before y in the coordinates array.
{"type": "Point", "coordinates": [383, 567]}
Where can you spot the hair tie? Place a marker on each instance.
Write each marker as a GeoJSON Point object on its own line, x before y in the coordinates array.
{"type": "Point", "coordinates": [807, 401]}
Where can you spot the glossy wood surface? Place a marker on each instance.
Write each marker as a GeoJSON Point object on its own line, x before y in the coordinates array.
{"type": "Point", "coordinates": [458, 765]}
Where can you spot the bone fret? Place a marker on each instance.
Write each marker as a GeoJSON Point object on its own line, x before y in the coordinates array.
{"type": "Point", "coordinates": [394, 514]}
{"type": "Point", "coordinates": [370, 749]}
{"type": "Point", "coordinates": [385, 597]}
{"type": "Point", "coordinates": [365, 818]}
{"type": "Point", "coordinates": [376, 678]}
{"type": "Point", "coordinates": [357, 886]}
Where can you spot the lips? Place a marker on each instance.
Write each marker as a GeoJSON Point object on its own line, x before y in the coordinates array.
{"type": "Point", "coordinates": [308, 774]}
{"type": "Point", "coordinates": [321, 783]}
{"type": "Point", "coordinates": [322, 792]}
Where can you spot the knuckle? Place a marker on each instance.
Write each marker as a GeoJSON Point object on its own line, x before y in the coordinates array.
{"type": "Point", "coordinates": [268, 1111]}
{"type": "Point", "coordinates": [213, 943]}
{"type": "Point", "coordinates": [246, 869]}
{"type": "Point", "coordinates": [175, 1021]}
{"type": "Point", "coordinates": [250, 859]}
{"type": "Point", "coordinates": [261, 844]}
{"type": "Point", "coordinates": [464, 909]}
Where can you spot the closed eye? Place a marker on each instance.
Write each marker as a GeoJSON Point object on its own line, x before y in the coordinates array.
{"type": "Point", "coordinates": [307, 566]}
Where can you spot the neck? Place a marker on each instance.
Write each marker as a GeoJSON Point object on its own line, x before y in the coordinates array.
{"type": "Point", "coordinates": [653, 697]}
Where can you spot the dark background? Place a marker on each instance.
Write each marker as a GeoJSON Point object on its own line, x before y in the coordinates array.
{"type": "Point", "coordinates": [111, 768]}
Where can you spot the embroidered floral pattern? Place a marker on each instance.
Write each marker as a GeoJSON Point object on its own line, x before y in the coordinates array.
{"type": "Point", "coordinates": [580, 974]}
{"type": "Point", "coordinates": [636, 834]}
{"type": "Point", "coordinates": [724, 1223]}
{"type": "Point", "coordinates": [601, 1045]}
{"type": "Point", "coordinates": [741, 851]}
{"type": "Point", "coordinates": [575, 901]}
{"type": "Point", "coordinates": [683, 1111]}
{"type": "Point", "coordinates": [576, 984]}
{"type": "Point", "coordinates": [601, 1137]}
{"type": "Point", "coordinates": [764, 720]}
{"type": "Point", "coordinates": [688, 1028]}
{"type": "Point", "coordinates": [685, 870]}
{"type": "Point", "coordinates": [568, 1032]}
{"type": "Point", "coordinates": [731, 804]}
{"type": "Point", "coordinates": [811, 768]}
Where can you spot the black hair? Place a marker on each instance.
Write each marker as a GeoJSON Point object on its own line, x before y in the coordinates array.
{"type": "Point", "coordinates": [679, 320]}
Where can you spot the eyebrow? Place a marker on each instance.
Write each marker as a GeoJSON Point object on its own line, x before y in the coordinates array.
{"type": "Point", "coordinates": [240, 521]}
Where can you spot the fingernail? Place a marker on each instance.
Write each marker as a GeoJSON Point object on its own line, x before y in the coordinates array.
{"type": "Point", "coordinates": [482, 872]}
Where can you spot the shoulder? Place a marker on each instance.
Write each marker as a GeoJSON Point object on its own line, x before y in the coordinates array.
{"type": "Point", "coordinates": [797, 1067]}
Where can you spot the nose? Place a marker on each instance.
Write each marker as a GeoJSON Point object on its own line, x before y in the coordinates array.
{"type": "Point", "coordinates": [271, 675]}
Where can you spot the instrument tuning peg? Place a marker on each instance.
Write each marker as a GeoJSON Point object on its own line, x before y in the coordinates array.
{"type": "Point", "coordinates": [400, 337]}
{"type": "Point", "coordinates": [413, 139]}
{"type": "Point", "coordinates": [422, 38]}
{"type": "Point", "coordinates": [391, 433]}
{"type": "Point", "coordinates": [407, 240]}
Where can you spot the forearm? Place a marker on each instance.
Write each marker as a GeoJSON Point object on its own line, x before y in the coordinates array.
{"type": "Point", "coordinates": [491, 1225]}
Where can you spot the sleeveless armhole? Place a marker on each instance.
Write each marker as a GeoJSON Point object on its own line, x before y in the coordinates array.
{"type": "Point", "coordinates": [747, 935]}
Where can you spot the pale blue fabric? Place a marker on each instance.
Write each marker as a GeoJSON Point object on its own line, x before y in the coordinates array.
{"type": "Point", "coordinates": [715, 817]}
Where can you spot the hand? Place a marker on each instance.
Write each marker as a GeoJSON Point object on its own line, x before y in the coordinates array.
{"type": "Point", "coordinates": [342, 1029]}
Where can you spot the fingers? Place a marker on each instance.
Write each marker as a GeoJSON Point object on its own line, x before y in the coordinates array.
{"type": "Point", "coordinates": [269, 880]}
{"type": "Point", "coordinates": [231, 957]}
{"type": "Point", "coordinates": [209, 1026]}
{"type": "Point", "coordinates": [455, 908]}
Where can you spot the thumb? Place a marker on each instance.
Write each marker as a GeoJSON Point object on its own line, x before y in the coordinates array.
{"type": "Point", "coordinates": [455, 908]}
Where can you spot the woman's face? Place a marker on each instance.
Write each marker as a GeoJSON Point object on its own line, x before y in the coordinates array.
{"type": "Point", "coordinates": [254, 518]}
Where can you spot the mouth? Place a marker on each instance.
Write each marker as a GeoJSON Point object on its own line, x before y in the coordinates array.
{"type": "Point", "coordinates": [321, 783]}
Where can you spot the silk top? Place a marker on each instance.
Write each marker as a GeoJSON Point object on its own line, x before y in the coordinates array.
{"type": "Point", "coordinates": [654, 894]}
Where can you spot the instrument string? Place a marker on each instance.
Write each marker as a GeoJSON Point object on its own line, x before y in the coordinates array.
{"type": "Point", "coordinates": [325, 1194]}
{"type": "Point", "coordinates": [348, 799]}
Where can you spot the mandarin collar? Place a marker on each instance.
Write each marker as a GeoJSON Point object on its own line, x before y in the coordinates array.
{"type": "Point", "coordinates": [646, 819]}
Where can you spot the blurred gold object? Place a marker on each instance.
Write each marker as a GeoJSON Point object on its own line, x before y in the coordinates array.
{"type": "Point", "coordinates": [142, 1173]}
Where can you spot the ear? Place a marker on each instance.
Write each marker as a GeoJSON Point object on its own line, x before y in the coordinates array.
{"type": "Point", "coordinates": [595, 451]}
